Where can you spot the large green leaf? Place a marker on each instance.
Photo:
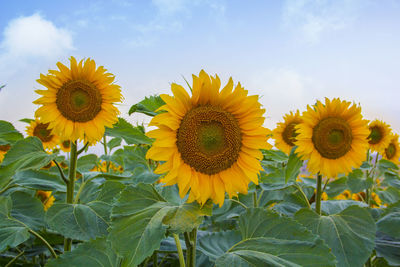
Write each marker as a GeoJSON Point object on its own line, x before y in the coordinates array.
{"type": "Point", "coordinates": [130, 134]}
{"type": "Point", "coordinates": [25, 154]}
{"type": "Point", "coordinates": [140, 218]}
{"type": "Point", "coordinates": [262, 251]}
{"type": "Point", "coordinates": [86, 163]}
{"type": "Point", "coordinates": [275, 155]}
{"type": "Point", "coordinates": [27, 209]}
{"type": "Point", "coordinates": [40, 180]}
{"type": "Point", "coordinates": [336, 187]}
{"type": "Point", "coordinates": [76, 221]}
{"type": "Point", "coordinates": [390, 221]}
{"type": "Point", "coordinates": [148, 106]}
{"type": "Point", "coordinates": [12, 232]}
{"type": "Point", "coordinates": [8, 133]}
{"type": "Point", "coordinates": [134, 157]}
{"type": "Point", "coordinates": [350, 234]}
{"type": "Point", "coordinates": [388, 248]}
{"type": "Point", "coordinates": [93, 253]}
{"type": "Point", "coordinates": [335, 206]}
{"type": "Point", "coordinates": [293, 166]}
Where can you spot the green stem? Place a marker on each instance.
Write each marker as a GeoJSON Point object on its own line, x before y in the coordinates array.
{"type": "Point", "coordinates": [240, 203]}
{"type": "Point", "coordinates": [319, 194]}
{"type": "Point", "coordinates": [155, 259]}
{"type": "Point", "coordinates": [180, 252]}
{"type": "Point", "coordinates": [8, 186]}
{"type": "Point", "coordinates": [303, 194]}
{"type": "Point", "coordinates": [255, 204]}
{"type": "Point", "coordinates": [44, 241]}
{"type": "Point", "coordinates": [14, 259]}
{"type": "Point", "coordinates": [61, 172]}
{"type": "Point", "coordinates": [193, 236]}
{"type": "Point", "coordinates": [71, 186]}
{"type": "Point", "coordinates": [189, 244]}
{"type": "Point", "coordinates": [105, 152]}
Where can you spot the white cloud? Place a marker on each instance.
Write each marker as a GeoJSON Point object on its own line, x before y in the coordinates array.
{"type": "Point", "coordinates": [35, 36]}
{"type": "Point", "coordinates": [314, 18]}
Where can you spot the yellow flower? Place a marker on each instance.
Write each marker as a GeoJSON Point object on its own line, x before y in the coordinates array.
{"type": "Point", "coordinates": [392, 151]}
{"type": "Point", "coordinates": [359, 197]}
{"type": "Point", "coordinates": [376, 201]}
{"type": "Point", "coordinates": [3, 151]}
{"type": "Point", "coordinates": [379, 137]}
{"type": "Point", "coordinates": [65, 145]}
{"type": "Point", "coordinates": [332, 137]}
{"type": "Point", "coordinates": [43, 132]}
{"type": "Point", "coordinates": [346, 194]}
{"type": "Point", "coordinates": [285, 133]}
{"type": "Point", "coordinates": [46, 198]}
{"type": "Point", "coordinates": [78, 102]}
{"type": "Point", "coordinates": [210, 141]}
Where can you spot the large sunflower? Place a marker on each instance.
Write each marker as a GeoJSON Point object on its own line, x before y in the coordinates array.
{"type": "Point", "coordinates": [332, 137]}
{"type": "Point", "coordinates": [210, 140]}
{"type": "Point", "coordinates": [78, 102]}
{"type": "Point", "coordinates": [379, 137]}
{"type": "Point", "coordinates": [43, 132]}
{"type": "Point", "coordinates": [285, 132]}
{"type": "Point", "coordinates": [392, 151]}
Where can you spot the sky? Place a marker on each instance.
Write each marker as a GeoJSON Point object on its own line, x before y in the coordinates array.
{"type": "Point", "coordinates": [291, 53]}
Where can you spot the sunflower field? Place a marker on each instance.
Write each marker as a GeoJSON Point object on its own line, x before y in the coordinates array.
{"type": "Point", "coordinates": [203, 184]}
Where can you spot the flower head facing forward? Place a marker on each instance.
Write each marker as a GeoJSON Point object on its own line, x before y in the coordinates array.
{"type": "Point", "coordinates": [41, 130]}
{"type": "Point", "coordinates": [79, 101]}
{"type": "Point", "coordinates": [210, 140]}
{"type": "Point", "coordinates": [392, 151]}
{"type": "Point", "coordinates": [332, 137]}
{"type": "Point", "coordinates": [285, 132]}
{"type": "Point", "coordinates": [380, 135]}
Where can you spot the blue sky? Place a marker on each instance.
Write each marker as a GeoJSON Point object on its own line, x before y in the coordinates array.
{"type": "Point", "coordinates": [289, 52]}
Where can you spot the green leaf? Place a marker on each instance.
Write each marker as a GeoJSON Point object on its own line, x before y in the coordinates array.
{"type": "Point", "coordinates": [26, 120]}
{"type": "Point", "coordinates": [275, 155]}
{"type": "Point", "coordinates": [25, 154]}
{"type": "Point", "coordinates": [86, 163]}
{"type": "Point", "coordinates": [115, 142]}
{"type": "Point", "coordinates": [390, 222]}
{"type": "Point", "coordinates": [389, 195]}
{"type": "Point", "coordinates": [336, 206]}
{"type": "Point", "coordinates": [385, 165]}
{"type": "Point", "coordinates": [388, 248]}
{"type": "Point", "coordinates": [293, 166]}
{"type": "Point", "coordinates": [148, 106]}
{"type": "Point", "coordinates": [134, 157]}
{"type": "Point", "coordinates": [76, 221]}
{"type": "Point", "coordinates": [357, 181]}
{"type": "Point", "coordinates": [146, 176]}
{"type": "Point", "coordinates": [350, 234]}
{"type": "Point", "coordinates": [130, 134]}
{"type": "Point", "coordinates": [12, 232]}
{"type": "Point", "coordinates": [28, 210]}
{"type": "Point", "coordinates": [39, 180]}
{"type": "Point", "coordinates": [214, 245]}
{"type": "Point", "coordinates": [391, 179]}
{"type": "Point", "coordinates": [93, 253]}
{"type": "Point", "coordinates": [140, 218]}
{"type": "Point", "coordinates": [264, 251]}
{"type": "Point", "coordinates": [8, 133]}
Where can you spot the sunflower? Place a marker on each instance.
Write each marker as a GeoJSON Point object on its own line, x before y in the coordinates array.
{"type": "Point", "coordinates": [46, 198]}
{"type": "Point", "coordinates": [41, 130]}
{"type": "Point", "coordinates": [65, 145]}
{"type": "Point", "coordinates": [392, 151]}
{"type": "Point", "coordinates": [78, 102]}
{"type": "Point", "coordinates": [379, 137]}
{"type": "Point", "coordinates": [3, 151]}
{"type": "Point", "coordinates": [210, 140]}
{"type": "Point", "coordinates": [332, 137]}
{"type": "Point", "coordinates": [285, 132]}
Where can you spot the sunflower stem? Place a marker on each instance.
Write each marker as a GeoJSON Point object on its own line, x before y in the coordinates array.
{"type": "Point", "coordinates": [319, 194]}
{"type": "Point", "coordinates": [255, 202]}
{"type": "Point", "coordinates": [194, 241]}
{"type": "Point", "coordinates": [44, 241]}
{"type": "Point", "coordinates": [61, 172]}
{"type": "Point", "coordinates": [83, 148]}
{"type": "Point", "coordinates": [180, 252]}
{"type": "Point", "coordinates": [14, 259]}
{"type": "Point", "coordinates": [71, 186]}
{"type": "Point", "coordinates": [105, 152]}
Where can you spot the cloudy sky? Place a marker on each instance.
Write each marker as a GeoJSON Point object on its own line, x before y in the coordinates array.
{"type": "Point", "coordinates": [289, 52]}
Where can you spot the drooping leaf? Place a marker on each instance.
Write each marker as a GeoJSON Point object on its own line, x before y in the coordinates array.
{"type": "Point", "coordinates": [385, 165]}
{"type": "Point", "coordinates": [115, 142]}
{"type": "Point", "coordinates": [140, 218]}
{"type": "Point", "coordinates": [86, 162]}
{"type": "Point", "coordinates": [12, 232]}
{"type": "Point", "coordinates": [389, 224]}
{"type": "Point", "coordinates": [336, 206]}
{"type": "Point", "coordinates": [8, 134]}
{"type": "Point", "coordinates": [148, 106]}
{"type": "Point", "coordinates": [388, 248]}
{"type": "Point", "coordinates": [336, 186]}
{"type": "Point", "coordinates": [76, 221]}
{"type": "Point", "coordinates": [39, 180]}
{"type": "Point", "coordinates": [357, 181]}
{"type": "Point", "coordinates": [96, 252]}
{"type": "Point", "coordinates": [130, 134]}
{"type": "Point", "coordinates": [350, 234]}
{"type": "Point", "coordinates": [28, 210]}
{"type": "Point", "coordinates": [214, 245]}
{"type": "Point", "coordinates": [275, 155]}
{"type": "Point", "coordinates": [26, 120]}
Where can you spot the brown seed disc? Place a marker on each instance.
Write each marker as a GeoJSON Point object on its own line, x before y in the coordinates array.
{"type": "Point", "coordinates": [79, 100]}
{"type": "Point", "coordinates": [375, 135]}
{"type": "Point", "coordinates": [332, 137]}
{"type": "Point", "coordinates": [289, 134]}
{"type": "Point", "coordinates": [42, 132]}
{"type": "Point", "coordinates": [5, 147]}
{"type": "Point", "coordinates": [66, 144]}
{"type": "Point", "coordinates": [209, 139]}
{"type": "Point", "coordinates": [390, 151]}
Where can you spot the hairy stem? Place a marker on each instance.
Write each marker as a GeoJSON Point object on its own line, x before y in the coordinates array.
{"type": "Point", "coordinates": [44, 241]}
{"type": "Point", "coordinates": [180, 252]}
{"type": "Point", "coordinates": [319, 194]}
